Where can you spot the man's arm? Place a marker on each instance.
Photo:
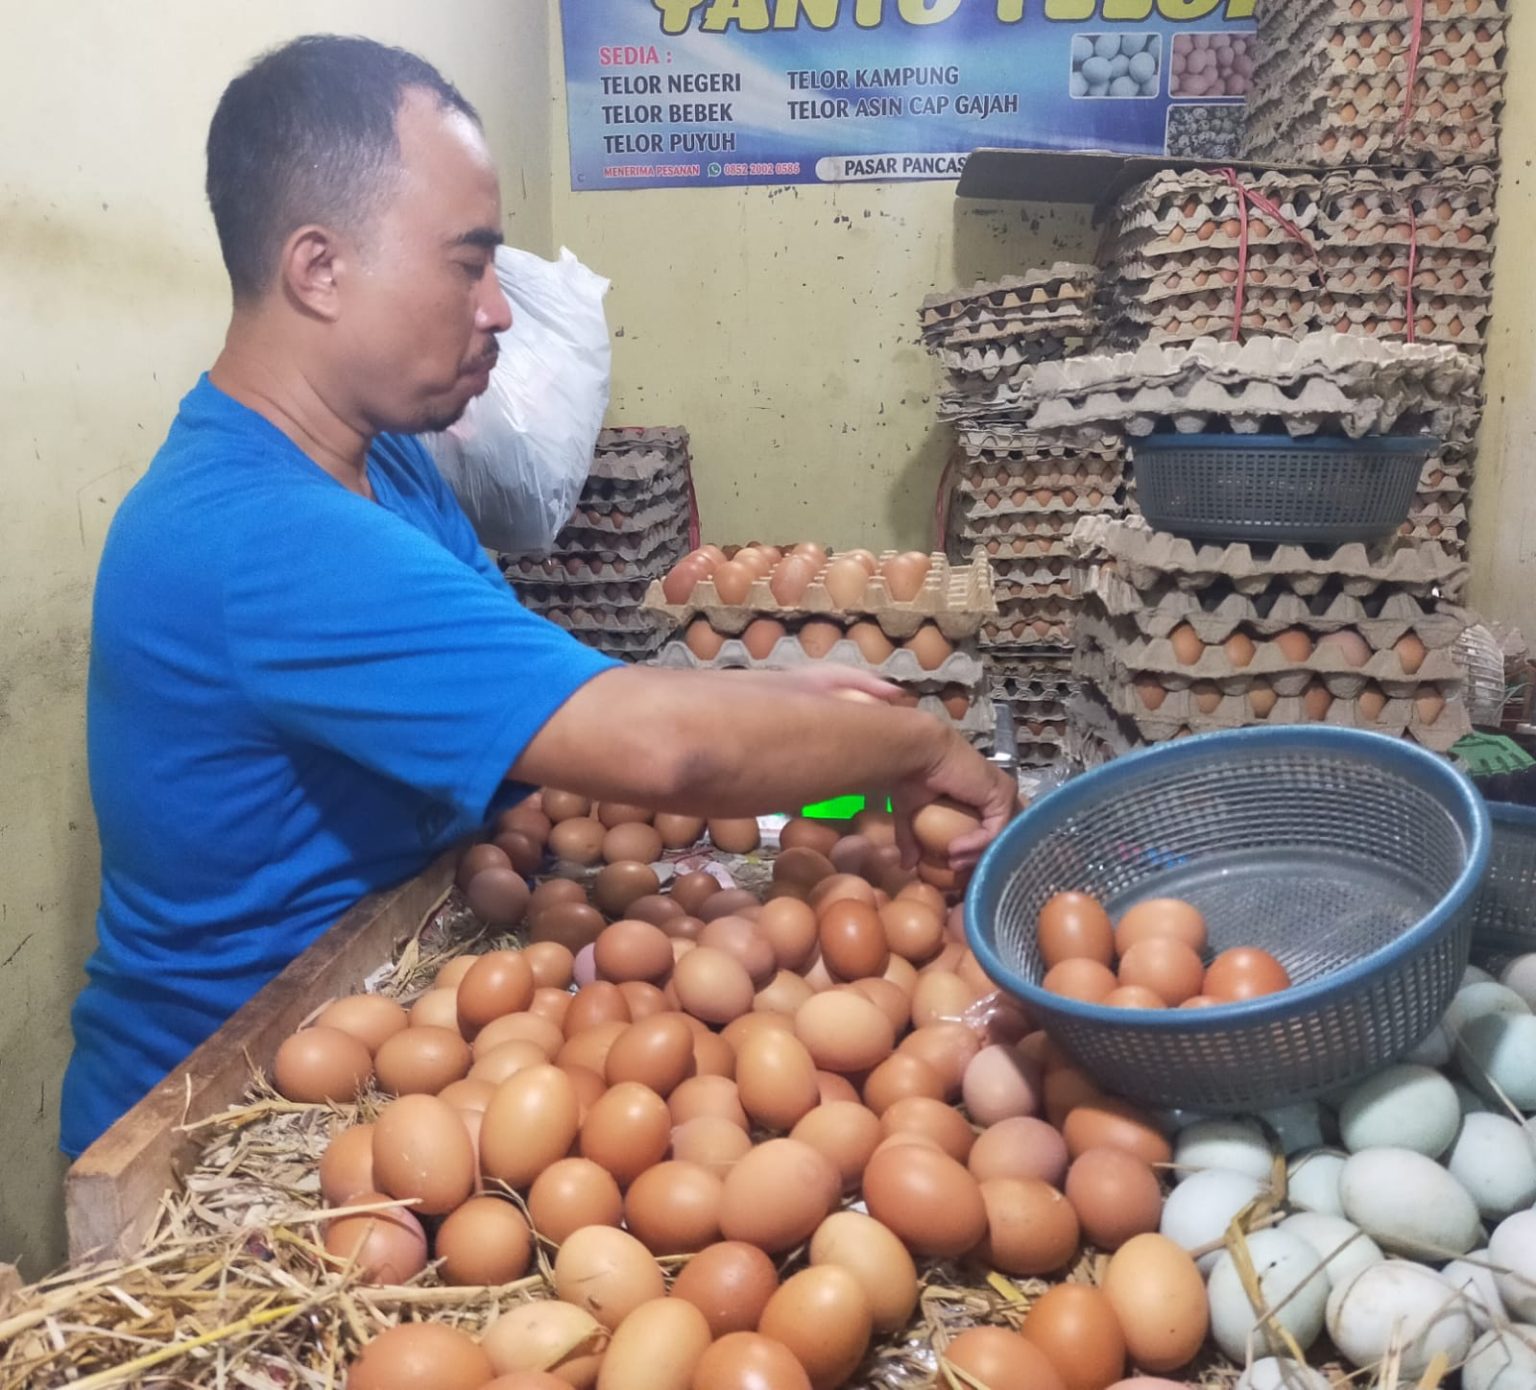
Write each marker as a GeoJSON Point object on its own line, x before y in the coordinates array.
{"type": "Point", "coordinates": [710, 743]}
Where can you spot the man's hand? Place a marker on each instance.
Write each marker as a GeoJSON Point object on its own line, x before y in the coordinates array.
{"type": "Point", "coordinates": [963, 775]}
{"type": "Point", "coordinates": [833, 678]}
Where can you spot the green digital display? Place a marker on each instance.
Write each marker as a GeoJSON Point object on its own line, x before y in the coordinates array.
{"type": "Point", "coordinates": [839, 808]}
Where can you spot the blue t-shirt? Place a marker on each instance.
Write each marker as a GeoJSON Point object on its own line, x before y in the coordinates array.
{"type": "Point", "coordinates": [297, 696]}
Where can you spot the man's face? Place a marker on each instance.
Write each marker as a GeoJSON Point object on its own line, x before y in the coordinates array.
{"type": "Point", "coordinates": [421, 305]}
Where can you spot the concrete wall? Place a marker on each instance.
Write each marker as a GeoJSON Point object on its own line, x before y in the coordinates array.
{"type": "Point", "coordinates": [1504, 496]}
{"type": "Point", "coordinates": [112, 299]}
{"type": "Point", "coordinates": [780, 326]}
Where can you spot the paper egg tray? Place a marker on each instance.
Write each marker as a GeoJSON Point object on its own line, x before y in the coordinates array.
{"type": "Point", "coordinates": [1381, 618]}
{"type": "Point", "coordinates": [959, 668]}
{"type": "Point", "coordinates": [615, 518]}
{"type": "Point", "coordinates": [1049, 579]}
{"type": "Point", "coordinates": [1017, 478]}
{"type": "Point", "coordinates": [661, 544]}
{"type": "Point", "coordinates": [1062, 282]}
{"type": "Point", "coordinates": [541, 594]}
{"type": "Point", "coordinates": [1064, 505]}
{"type": "Point", "coordinates": [1008, 359]}
{"type": "Point", "coordinates": [1129, 654]}
{"type": "Point", "coordinates": [583, 570]}
{"type": "Point", "coordinates": [1048, 528]}
{"type": "Point", "coordinates": [600, 618]}
{"type": "Point", "coordinates": [1013, 548]}
{"type": "Point", "coordinates": [1030, 336]}
{"type": "Point", "coordinates": [667, 483]}
{"type": "Point", "coordinates": [1143, 557]}
{"type": "Point", "coordinates": [642, 439]}
{"type": "Point", "coordinates": [956, 598]}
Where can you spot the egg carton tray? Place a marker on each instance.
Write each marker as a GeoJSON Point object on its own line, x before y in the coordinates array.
{"type": "Point", "coordinates": [1065, 280]}
{"type": "Point", "coordinates": [1062, 504]}
{"type": "Point", "coordinates": [902, 667]}
{"type": "Point", "coordinates": [1374, 46]}
{"type": "Point", "coordinates": [1043, 526]}
{"type": "Point", "coordinates": [1041, 586]}
{"type": "Point", "coordinates": [669, 538]}
{"type": "Point", "coordinates": [1028, 634]}
{"type": "Point", "coordinates": [585, 571]}
{"type": "Point", "coordinates": [1012, 478]}
{"type": "Point", "coordinates": [539, 594]}
{"type": "Point", "coordinates": [1015, 548]}
{"type": "Point", "coordinates": [631, 646]}
{"type": "Point", "coordinates": [992, 361]}
{"type": "Point", "coordinates": [1128, 653]}
{"type": "Point", "coordinates": [668, 482]}
{"type": "Point", "coordinates": [630, 439]}
{"type": "Point", "coordinates": [625, 518]}
{"type": "Point", "coordinates": [1382, 617]}
{"type": "Point", "coordinates": [1148, 283]}
{"type": "Point", "coordinates": [1387, 273]}
{"type": "Point", "coordinates": [1180, 712]}
{"type": "Point", "coordinates": [1029, 337]}
{"type": "Point", "coordinates": [1144, 557]}
{"type": "Point", "coordinates": [595, 618]}
{"type": "Point", "coordinates": [1009, 442]}
{"type": "Point", "coordinates": [954, 597]}
{"type": "Point", "coordinates": [1033, 711]}
{"type": "Point", "coordinates": [1187, 197]}
{"type": "Point", "coordinates": [1343, 148]}
{"type": "Point", "coordinates": [1402, 11]}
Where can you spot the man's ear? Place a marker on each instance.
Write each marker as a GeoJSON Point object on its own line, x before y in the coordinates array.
{"type": "Point", "coordinates": [308, 271]}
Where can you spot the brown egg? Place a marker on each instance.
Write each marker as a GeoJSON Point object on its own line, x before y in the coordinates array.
{"type": "Point", "coordinates": [599, 1002]}
{"type": "Point", "coordinates": [526, 855]}
{"type": "Point", "coordinates": [736, 1033]}
{"type": "Point", "coordinates": [578, 841]}
{"type": "Point", "coordinates": [940, 823]}
{"type": "Point", "coordinates": [777, 1195]}
{"type": "Point", "coordinates": [775, 1078]}
{"type": "Point", "coordinates": [1151, 691]}
{"type": "Point", "coordinates": [674, 1208]}
{"type": "Point", "coordinates": [901, 1075]}
{"type": "Point", "coordinates": [784, 994]}
{"type": "Point", "coordinates": [845, 581]}
{"type": "Point", "coordinates": [1239, 650]}
{"type": "Point", "coordinates": [913, 930]}
{"type": "Point", "coordinates": [818, 636]}
{"type": "Point", "coordinates": [691, 891]}
{"type": "Point", "coordinates": [1076, 1327]}
{"type": "Point", "coordinates": [346, 1166]}
{"type": "Point", "coordinates": [730, 1283]}
{"type": "Point", "coordinates": [1001, 1083]}
{"type": "Point", "coordinates": [890, 998]}
{"type": "Point", "coordinates": [707, 1095]}
{"type": "Point", "coordinates": [758, 559]}
{"type": "Point", "coordinates": [439, 1008]}
{"type": "Point", "coordinates": [485, 1241]}
{"type": "Point", "coordinates": [739, 938]}
{"type": "Point", "coordinates": [551, 1003]}
{"type": "Point", "coordinates": [748, 1361]}
{"type": "Point", "coordinates": [928, 1199]}
{"type": "Point", "coordinates": [933, 1119]}
{"type": "Point", "coordinates": [545, 1334]}
{"type": "Point", "coordinates": [1083, 980]}
{"type": "Point", "coordinates": [422, 1060]}
{"type": "Point", "coordinates": [572, 1193]}
{"type": "Point", "coordinates": [822, 1315]}
{"type": "Point", "coordinates": [702, 640]}
{"type": "Point", "coordinates": [852, 939]}
{"type": "Point", "coordinates": [904, 575]}
{"type": "Point", "coordinates": [627, 1131]}
{"type": "Point", "coordinates": [1031, 1228]}
{"type": "Point", "coordinates": [678, 832]}
{"type": "Point", "coordinates": [733, 582]}
{"type": "Point", "coordinates": [415, 1355]}
{"type": "Point", "coordinates": [844, 1032]}
{"type": "Point", "coordinates": [657, 1347]}
{"type": "Point", "coordinates": [947, 1048]}
{"type": "Point", "coordinates": [1244, 972]}
{"type": "Point", "coordinates": [1116, 1196]}
{"type": "Point", "coordinates": [656, 1052]}
{"type": "Point", "coordinates": [1166, 966]}
{"type": "Point", "coordinates": [632, 842]}
{"type": "Point", "coordinates": [1066, 1088]}
{"type": "Point", "coordinates": [874, 646]}
{"type": "Point", "coordinates": [587, 1083]}
{"type": "Point", "coordinates": [451, 974]}
{"type": "Point", "coordinates": [1428, 705]}
{"type": "Point", "coordinates": [1372, 702]}
{"type": "Point", "coordinates": [1316, 701]}
{"type": "Point", "coordinates": [1024, 1147]}
{"type": "Point", "coordinates": [931, 648]}
{"type": "Point", "coordinates": [657, 909]}
{"type": "Point", "coordinates": [940, 997]}
{"type": "Point", "coordinates": [711, 1142]}
{"type": "Point", "coordinates": [1348, 645]}
{"type": "Point", "coordinates": [468, 1094]}
{"type": "Point", "coordinates": [476, 858]}
{"type": "Point", "coordinates": [761, 636]}
{"type": "Point", "coordinates": [499, 982]}
{"type": "Point", "coordinates": [1161, 917]}
{"type": "Point", "coordinates": [1187, 646]}
{"type": "Point", "coordinates": [530, 1122]}
{"type": "Point", "coordinates": [739, 836]}
{"type": "Point", "coordinates": [800, 833]}
{"type": "Point", "coordinates": [645, 1000]}
{"type": "Point", "coordinates": [1294, 645]}
{"type": "Point", "coordinates": [552, 891]}
{"type": "Point", "coordinates": [994, 1356]}
{"type": "Point", "coordinates": [384, 1247]}
{"type": "Point", "coordinates": [1133, 997]}
{"type": "Point", "coordinates": [1411, 652]}
{"type": "Point", "coordinates": [498, 897]}
{"type": "Point", "coordinates": [633, 951]}
{"type": "Point", "coordinates": [1117, 1124]}
{"type": "Point", "coordinates": [1262, 699]}
{"type": "Point", "coordinates": [607, 1273]}
{"type": "Point", "coordinates": [791, 578]}
{"type": "Point", "coordinates": [678, 585]}
{"type": "Point", "coordinates": [321, 1064]}
{"type": "Point", "coordinates": [729, 902]}
{"type": "Point", "coordinates": [421, 1150]}
{"type": "Point", "coordinates": [496, 1064]}
{"type": "Point", "coordinates": [713, 985]}
{"type": "Point", "coordinates": [1159, 1299]}
{"type": "Point", "coordinates": [560, 806]}
{"type": "Point", "coordinates": [843, 1132]}
{"type": "Point", "coordinates": [831, 1089]}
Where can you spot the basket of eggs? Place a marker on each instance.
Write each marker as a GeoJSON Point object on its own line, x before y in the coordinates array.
{"type": "Point", "coordinates": [1240, 919]}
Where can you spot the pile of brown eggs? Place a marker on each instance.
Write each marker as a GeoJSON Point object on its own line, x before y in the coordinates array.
{"type": "Point", "coordinates": [1153, 958]}
{"type": "Point", "coordinates": [807, 1093]}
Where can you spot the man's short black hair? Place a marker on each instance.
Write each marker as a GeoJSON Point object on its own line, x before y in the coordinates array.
{"type": "Point", "coordinates": [307, 134]}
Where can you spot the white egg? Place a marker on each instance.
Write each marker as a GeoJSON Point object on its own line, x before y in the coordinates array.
{"type": "Point", "coordinates": [1520, 976]}
{"type": "Point", "coordinates": [1312, 1182]}
{"type": "Point", "coordinates": [1474, 975]}
{"type": "Point", "coordinates": [1236, 1146]}
{"type": "Point", "coordinates": [1409, 1203]}
{"type": "Point", "coordinates": [1401, 1107]}
{"type": "Point", "coordinates": [1300, 1126]}
{"type": "Point", "coordinates": [1434, 1050]}
{"type": "Point", "coordinates": [1495, 1160]}
{"type": "Point", "coordinates": [1199, 1210]}
{"type": "Point", "coordinates": [1398, 1304]}
{"type": "Point", "coordinates": [1497, 1053]}
{"type": "Point", "coordinates": [1344, 1247]}
{"type": "Point", "coordinates": [1503, 1359]}
{"type": "Point", "coordinates": [1274, 1374]}
{"type": "Point", "coordinates": [1289, 1273]}
{"type": "Point", "coordinates": [1474, 1280]}
{"type": "Point", "coordinates": [1475, 1001]}
{"type": "Point", "coordinates": [1512, 1251]}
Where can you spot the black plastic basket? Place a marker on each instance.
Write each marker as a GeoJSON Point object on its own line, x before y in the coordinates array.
{"type": "Point", "coordinates": [1268, 487]}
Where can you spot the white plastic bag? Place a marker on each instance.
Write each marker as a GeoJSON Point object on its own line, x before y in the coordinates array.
{"type": "Point", "coordinates": [519, 457]}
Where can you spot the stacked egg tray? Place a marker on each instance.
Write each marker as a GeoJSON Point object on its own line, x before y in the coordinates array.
{"type": "Point", "coordinates": [1177, 251]}
{"type": "Point", "coordinates": [1351, 81]}
{"type": "Point", "coordinates": [1178, 638]}
{"type": "Point", "coordinates": [926, 644]}
{"type": "Point", "coordinates": [630, 525]}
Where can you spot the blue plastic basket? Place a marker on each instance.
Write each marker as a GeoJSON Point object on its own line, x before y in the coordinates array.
{"type": "Point", "coordinates": [1350, 856]}
{"type": "Point", "coordinates": [1273, 488]}
{"type": "Point", "coordinates": [1504, 907]}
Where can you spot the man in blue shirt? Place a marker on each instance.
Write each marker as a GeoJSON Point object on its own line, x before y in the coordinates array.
{"type": "Point", "coordinates": [306, 678]}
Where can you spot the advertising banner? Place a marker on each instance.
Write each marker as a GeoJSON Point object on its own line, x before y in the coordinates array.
{"type": "Point", "coordinates": [694, 93]}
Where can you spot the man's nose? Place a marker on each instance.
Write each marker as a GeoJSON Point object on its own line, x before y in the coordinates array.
{"type": "Point", "coordinates": [494, 312]}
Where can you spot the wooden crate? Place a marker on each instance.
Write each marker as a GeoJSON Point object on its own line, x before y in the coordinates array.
{"type": "Point", "coordinates": [113, 1190]}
